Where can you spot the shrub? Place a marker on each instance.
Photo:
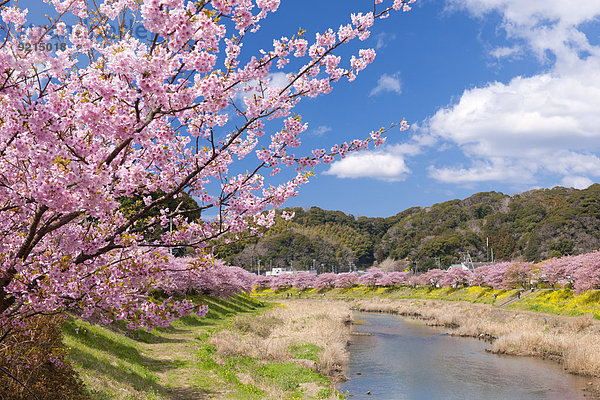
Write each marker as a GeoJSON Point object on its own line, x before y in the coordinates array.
{"type": "Point", "coordinates": [36, 356]}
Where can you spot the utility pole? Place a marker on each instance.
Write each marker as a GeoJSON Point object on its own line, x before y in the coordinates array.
{"type": "Point", "coordinates": [487, 252]}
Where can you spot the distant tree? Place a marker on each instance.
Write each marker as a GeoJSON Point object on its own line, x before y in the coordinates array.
{"type": "Point", "coordinates": [394, 278]}
{"type": "Point", "coordinates": [433, 277]}
{"type": "Point", "coordinates": [304, 280]}
{"type": "Point", "coordinates": [519, 274]}
{"type": "Point", "coordinates": [561, 247]}
{"type": "Point", "coordinates": [586, 273]}
{"type": "Point", "coordinates": [456, 276]}
{"type": "Point", "coordinates": [326, 280]}
{"type": "Point", "coordinates": [346, 280]}
{"type": "Point", "coordinates": [503, 245]}
{"type": "Point", "coordinates": [372, 277]}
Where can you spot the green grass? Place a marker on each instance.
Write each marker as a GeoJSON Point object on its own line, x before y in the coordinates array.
{"type": "Point", "coordinates": [560, 301]}
{"type": "Point", "coordinates": [117, 363]}
{"type": "Point", "coordinates": [473, 294]}
{"type": "Point", "coordinates": [306, 351]}
{"type": "Point", "coordinates": [289, 376]}
{"type": "Point", "coordinates": [179, 362]}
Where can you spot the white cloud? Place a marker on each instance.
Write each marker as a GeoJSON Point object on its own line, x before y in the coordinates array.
{"type": "Point", "coordinates": [320, 130]}
{"type": "Point", "coordinates": [525, 116]}
{"type": "Point", "coordinates": [520, 12]}
{"type": "Point", "coordinates": [387, 83]}
{"type": "Point", "coordinates": [544, 25]}
{"type": "Point", "coordinates": [383, 39]}
{"type": "Point", "coordinates": [495, 170]}
{"type": "Point", "coordinates": [577, 182]}
{"type": "Point", "coordinates": [385, 164]}
{"type": "Point", "coordinates": [378, 165]}
{"type": "Point", "coordinates": [276, 80]}
{"type": "Point", "coordinates": [415, 145]}
{"type": "Point", "coordinates": [542, 124]}
{"type": "Point", "coordinates": [506, 52]}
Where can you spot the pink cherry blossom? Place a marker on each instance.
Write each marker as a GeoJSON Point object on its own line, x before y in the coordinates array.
{"type": "Point", "coordinates": [112, 117]}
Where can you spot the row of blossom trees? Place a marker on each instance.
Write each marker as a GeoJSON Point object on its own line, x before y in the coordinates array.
{"type": "Point", "coordinates": [581, 272]}
{"type": "Point", "coordinates": [191, 275]}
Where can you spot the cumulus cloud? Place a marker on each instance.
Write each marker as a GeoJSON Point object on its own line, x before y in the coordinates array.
{"type": "Point", "coordinates": [542, 124]}
{"type": "Point", "coordinates": [383, 166]}
{"type": "Point", "coordinates": [506, 52]}
{"type": "Point", "coordinates": [577, 182]}
{"type": "Point", "coordinates": [383, 38]}
{"type": "Point", "coordinates": [387, 83]}
{"type": "Point", "coordinates": [320, 130]}
{"type": "Point", "coordinates": [494, 170]}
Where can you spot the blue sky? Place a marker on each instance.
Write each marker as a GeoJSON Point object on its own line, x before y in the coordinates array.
{"type": "Point", "coordinates": [502, 95]}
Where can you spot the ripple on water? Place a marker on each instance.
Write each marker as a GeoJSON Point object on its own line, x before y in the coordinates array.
{"type": "Point", "coordinates": [406, 360]}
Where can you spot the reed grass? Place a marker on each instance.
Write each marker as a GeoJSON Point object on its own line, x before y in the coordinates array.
{"type": "Point", "coordinates": [304, 336]}
{"type": "Point", "coordinates": [573, 341]}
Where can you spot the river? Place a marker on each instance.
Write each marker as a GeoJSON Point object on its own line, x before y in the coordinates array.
{"type": "Point", "coordinates": [403, 359]}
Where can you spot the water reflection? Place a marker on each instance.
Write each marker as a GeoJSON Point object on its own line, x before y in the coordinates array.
{"type": "Point", "coordinates": [406, 360]}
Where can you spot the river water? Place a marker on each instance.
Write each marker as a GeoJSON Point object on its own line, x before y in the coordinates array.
{"type": "Point", "coordinates": [403, 359]}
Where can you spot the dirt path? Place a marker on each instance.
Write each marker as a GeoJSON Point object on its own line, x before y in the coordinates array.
{"type": "Point", "coordinates": [184, 379]}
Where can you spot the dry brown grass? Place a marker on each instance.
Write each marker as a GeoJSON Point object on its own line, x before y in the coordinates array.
{"type": "Point", "coordinates": [573, 341]}
{"type": "Point", "coordinates": [268, 337]}
{"type": "Point", "coordinates": [26, 354]}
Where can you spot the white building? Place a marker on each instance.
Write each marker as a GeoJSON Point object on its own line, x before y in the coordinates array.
{"type": "Point", "coordinates": [278, 271]}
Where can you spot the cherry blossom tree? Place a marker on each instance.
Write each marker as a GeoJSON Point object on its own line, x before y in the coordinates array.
{"type": "Point", "coordinates": [92, 115]}
{"type": "Point", "coordinates": [282, 281]}
{"type": "Point", "coordinates": [304, 280]}
{"type": "Point", "coordinates": [262, 282]}
{"type": "Point", "coordinates": [394, 278]}
{"type": "Point", "coordinates": [432, 278]}
{"type": "Point", "coordinates": [553, 270]}
{"type": "Point", "coordinates": [346, 280]}
{"type": "Point", "coordinates": [490, 275]}
{"type": "Point", "coordinates": [586, 271]}
{"type": "Point", "coordinates": [192, 274]}
{"type": "Point", "coordinates": [456, 276]}
{"type": "Point", "coordinates": [372, 277]}
{"type": "Point", "coordinates": [519, 274]}
{"type": "Point", "coordinates": [325, 281]}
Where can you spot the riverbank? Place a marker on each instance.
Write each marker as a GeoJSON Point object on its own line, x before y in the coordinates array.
{"type": "Point", "coordinates": [573, 341]}
{"type": "Point", "coordinates": [243, 349]}
{"type": "Point", "coordinates": [397, 357]}
{"type": "Point", "coordinates": [568, 331]}
{"type": "Point", "coordinates": [559, 302]}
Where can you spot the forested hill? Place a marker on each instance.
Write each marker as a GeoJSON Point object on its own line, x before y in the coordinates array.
{"type": "Point", "coordinates": [533, 225]}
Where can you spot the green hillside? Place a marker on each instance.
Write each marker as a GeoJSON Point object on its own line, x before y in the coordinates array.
{"type": "Point", "coordinates": [533, 225]}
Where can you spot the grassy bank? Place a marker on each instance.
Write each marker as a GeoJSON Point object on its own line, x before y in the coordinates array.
{"type": "Point", "coordinates": [559, 302]}
{"type": "Point", "coordinates": [212, 357]}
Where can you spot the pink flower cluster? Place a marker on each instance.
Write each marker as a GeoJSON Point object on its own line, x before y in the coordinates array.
{"type": "Point", "coordinates": [115, 117]}
{"type": "Point", "coordinates": [202, 275]}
